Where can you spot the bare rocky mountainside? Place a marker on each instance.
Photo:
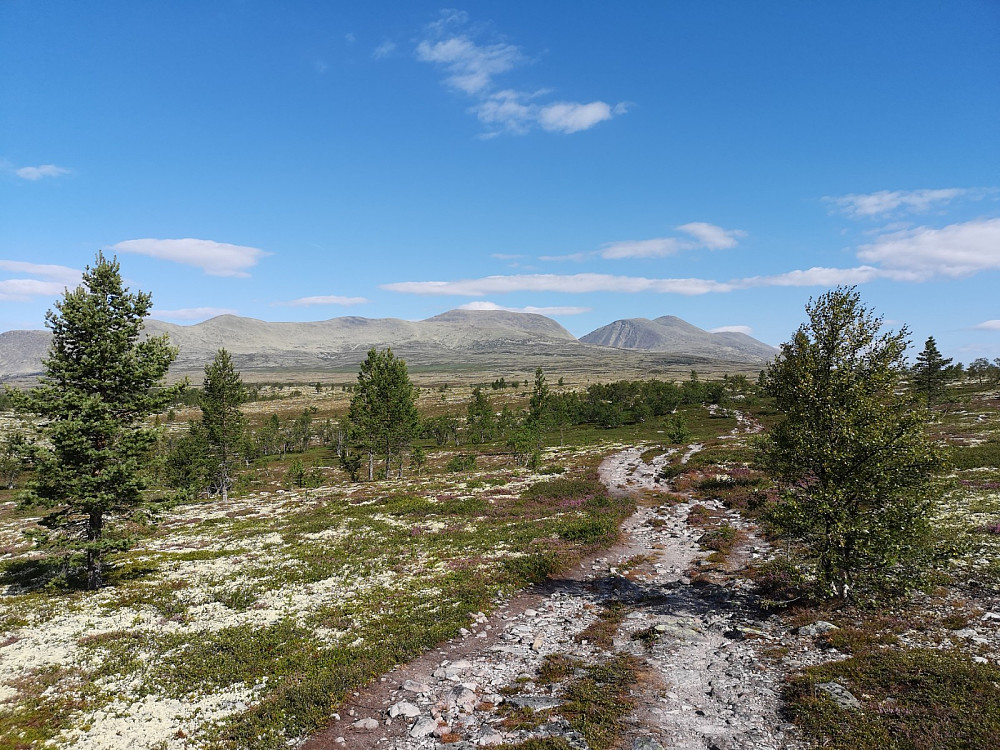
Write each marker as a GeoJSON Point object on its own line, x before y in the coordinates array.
{"type": "Point", "coordinates": [671, 334]}
{"type": "Point", "coordinates": [455, 339]}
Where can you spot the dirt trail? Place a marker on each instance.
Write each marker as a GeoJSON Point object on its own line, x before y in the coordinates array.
{"type": "Point", "coordinates": [704, 686]}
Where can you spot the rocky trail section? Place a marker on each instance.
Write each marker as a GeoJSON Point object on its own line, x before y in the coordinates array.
{"type": "Point", "coordinates": [702, 682]}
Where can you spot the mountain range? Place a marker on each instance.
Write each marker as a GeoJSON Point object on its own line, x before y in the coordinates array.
{"type": "Point", "coordinates": [461, 339]}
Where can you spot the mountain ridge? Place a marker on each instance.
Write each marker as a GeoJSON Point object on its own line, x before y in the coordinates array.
{"type": "Point", "coordinates": [453, 338]}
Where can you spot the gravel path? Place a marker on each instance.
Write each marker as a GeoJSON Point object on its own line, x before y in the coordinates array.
{"type": "Point", "coordinates": [703, 686]}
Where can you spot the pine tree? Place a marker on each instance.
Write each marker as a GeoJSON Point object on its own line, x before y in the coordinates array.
{"type": "Point", "coordinates": [383, 409]}
{"type": "Point", "coordinates": [930, 372]}
{"type": "Point", "coordinates": [98, 386]}
{"type": "Point", "coordinates": [851, 455]}
{"type": "Point", "coordinates": [480, 415]}
{"type": "Point", "coordinates": [223, 392]}
{"type": "Point", "coordinates": [539, 405]}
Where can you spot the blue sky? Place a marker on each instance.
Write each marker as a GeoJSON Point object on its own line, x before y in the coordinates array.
{"type": "Point", "coordinates": [720, 161]}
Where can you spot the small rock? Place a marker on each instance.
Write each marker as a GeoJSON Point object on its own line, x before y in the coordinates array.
{"type": "Point", "coordinates": [646, 743]}
{"type": "Point", "coordinates": [423, 727]}
{"type": "Point", "coordinates": [340, 741]}
{"type": "Point", "coordinates": [817, 628]}
{"type": "Point", "coordinates": [403, 708]}
{"type": "Point", "coordinates": [840, 695]}
{"type": "Point", "coordinates": [412, 686]}
{"type": "Point", "coordinates": [490, 737]}
{"type": "Point", "coordinates": [980, 660]}
{"type": "Point", "coordinates": [366, 725]}
{"type": "Point", "coordinates": [534, 702]}
{"type": "Point", "coordinates": [463, 699]}
{"type": "Point", "coordinates": [530, 613]}
{"type": "Point", "coordinates": [536, 645]}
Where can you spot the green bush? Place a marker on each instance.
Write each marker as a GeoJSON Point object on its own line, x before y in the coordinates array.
{"type": "Point", "coordinates": [461, 462]}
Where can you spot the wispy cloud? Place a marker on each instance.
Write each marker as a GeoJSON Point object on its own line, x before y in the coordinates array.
{"type": "Point", "coordinates": [571, 257]}
{"type": "Point", "coordinates": [191, 313]}
{"type": "Point", "coordinates": [22, 290]}
{"type": "Point", "coordinates": [987, 325]}
{"type": "Point", "coordinates": [471, 68]}
{"type": "Point", "coordinates": [732, 329]}
{"type": "Point", "coordinates": [322, 300]}
{"type": "Point", "coordinates": [41, 171]}
{"type": "Point", "coordinates": [547, 282]}
{"type": "Point", "coordinates": [385, 49]}
{"type": "Point", "coordinates": [816, 276]}
{"type": "Point", "coordinates": [214, 258]}
{"type": "Point", "coordinates": [50, 281]}
{"type": "Point", "coordinates": [954, 251]}
{"type": "Point", "coordinates": [700, 235]}
{"type": "Point", "coordinates": [582, 283]}
{"type": "Point", "coordinates": [885, 202]}
{"type": "Point", "coordinates": [555, 310]}
{"type": "Point", "coordinates": [712, 236]}
{"type": "Point", "coordinates": [506, 256]}
{"type": "Point", "coordinates": [657, 247]}
{"type": "Point", "coordinates": [61, 274]}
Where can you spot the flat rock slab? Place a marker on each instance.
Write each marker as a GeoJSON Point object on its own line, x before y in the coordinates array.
{"type": "Point", "coordinates": [534, 702]}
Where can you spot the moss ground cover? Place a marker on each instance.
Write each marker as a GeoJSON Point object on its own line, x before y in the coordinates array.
{"type": "Point", "coordinates": [244, 624]}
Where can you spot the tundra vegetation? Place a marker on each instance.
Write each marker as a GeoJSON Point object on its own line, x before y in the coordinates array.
{"type": "Point", "coordinates": [245, 619]}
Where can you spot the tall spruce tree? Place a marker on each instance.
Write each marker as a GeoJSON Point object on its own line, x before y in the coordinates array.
{"type": "Point", "coordinates": [851, 454]}
{"type": "Point", "coordinates": [99, 384]}
{"type": "Point", "coordinates": [930, 372]}
{"type": "Point", "coordinates": [224, 424]}
{"type": "Point", "coordinates": [383, 410]}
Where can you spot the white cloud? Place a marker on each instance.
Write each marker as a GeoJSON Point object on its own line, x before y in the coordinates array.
{"type": "Point", "coordinates": [471, 68]}
{"type": "Point", "coordinates": [43, 170]}
{"type": "Point", "coordinates": [913, 255]}
{"type": "Point", "coordinates": [988, 325]}
{"type": "Point", "coordinates": [571, 117]}
{"type": "Point", "coordinates": [385, 49]}
{"type": "Point", "coordinates": [705, 235]}
{"type": "Point", "coordinates": [214, 258]}
{"type": "Point", "coordinates": [322, 300]}
{"type": "Point", "coordinates": [658, 247]}
{"type": "Point", "coordinates": [953, 251]}
{"type": "Point", "coordinates": [867, 205]}
{"type": "Point", "coordinates": [816, 276]}
{"type": "Point", "coordinates": [22, 290]}
{"type": "Point", "coordinates": [547, 282]}
{"type": "Point", "coordinates": [574, 257]}
{"type": "Point", "coordinates": [732, 329]}
{"type": "Point", "coordinates": [711, 236]}
{"type": "Point", "coordinates": [506, 256]}
{"type": "Point", "coordinates": [53, 280]}
{"type": "Point", "coordinates": [62, 274]}
{"type": "Point", "coordinates": [568, 310]}
{"type": "Point", "coordinates": [191, 313]}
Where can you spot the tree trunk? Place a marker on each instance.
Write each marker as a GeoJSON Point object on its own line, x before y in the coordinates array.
{"type": "Point", "coordinates": [95, 530]}
{"type": "Point", "coordinates": [371, 465]}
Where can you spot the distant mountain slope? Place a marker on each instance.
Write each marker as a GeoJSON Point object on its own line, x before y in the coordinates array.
{"type": "Point", "coordinates": [671, 334]}
{"type": "Point", "coordinates": [481, 340]}
{"type": "Point", "coordinates": [338, 342]}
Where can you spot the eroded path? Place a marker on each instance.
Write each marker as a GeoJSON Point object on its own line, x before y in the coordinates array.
{"type": "Point", "coordinates": [703, 682]}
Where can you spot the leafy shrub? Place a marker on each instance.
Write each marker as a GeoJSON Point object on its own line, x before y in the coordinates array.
{"type": "Point", "coordinates": [461, 462]}
{"type": "Point", "coordinates": [919, 699]}
{"type": "Point", "coordinates": [779, 580]}
{"type": "Point", "coordinates": [976, 456]}
{"type": "Point", "coordinates": [721, 539]}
